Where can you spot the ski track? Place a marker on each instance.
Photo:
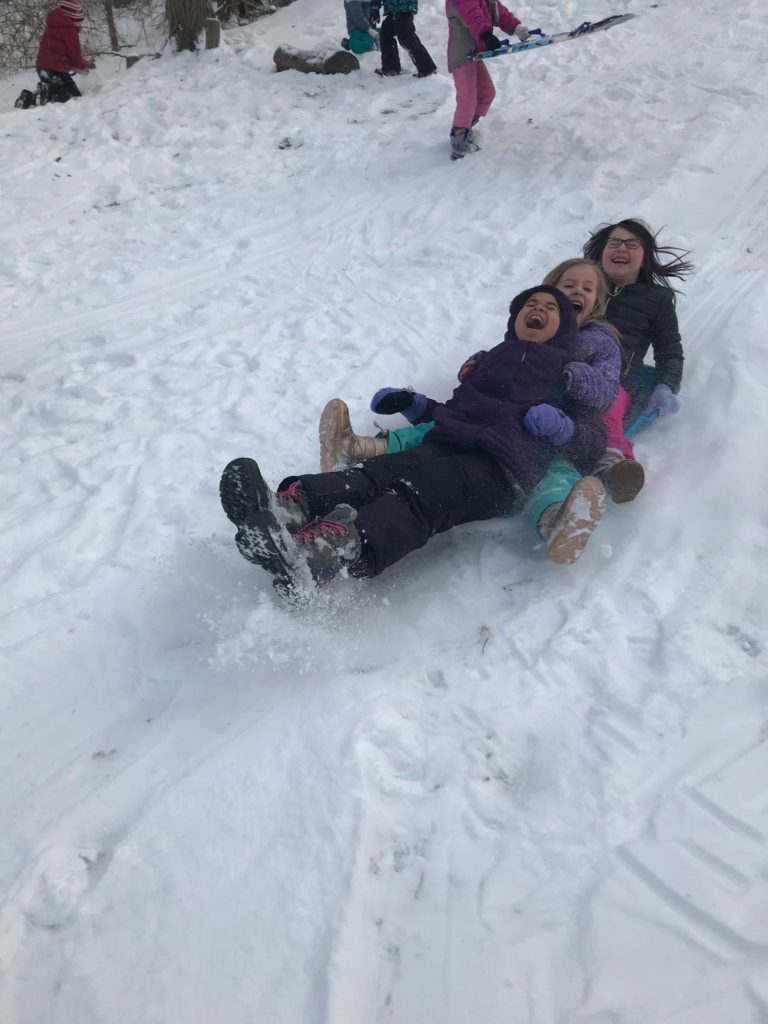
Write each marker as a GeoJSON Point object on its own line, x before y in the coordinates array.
{"type": "Point", "coordinates": [480, 787]}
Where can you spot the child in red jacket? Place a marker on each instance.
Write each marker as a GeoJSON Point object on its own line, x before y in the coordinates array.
{"type": "Point", "coordinates": [59, 53]}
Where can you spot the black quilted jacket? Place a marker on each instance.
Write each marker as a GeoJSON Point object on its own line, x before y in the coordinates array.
{"type": "Point", "coordinates": [644, 315]}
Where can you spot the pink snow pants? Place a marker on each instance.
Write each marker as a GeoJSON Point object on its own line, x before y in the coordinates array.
{"type": "Point", "coordinates": [614, 427]}
{"type": "Point", "coordinates": [474, 92]}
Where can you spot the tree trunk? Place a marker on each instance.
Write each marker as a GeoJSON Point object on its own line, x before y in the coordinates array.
{"type": "Point", "coordinates": [186, 20]}
{"type": "Point", "coordinates": [114, 42]}
{"type": "Point", "coordinates": [212, 33]}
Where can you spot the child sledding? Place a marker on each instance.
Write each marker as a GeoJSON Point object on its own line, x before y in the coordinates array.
{"type": "Point", "coordinates": [491, 444]}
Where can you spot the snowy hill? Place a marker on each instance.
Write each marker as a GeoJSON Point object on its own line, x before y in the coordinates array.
{"type": "Point", "coordinates": [482, 787]}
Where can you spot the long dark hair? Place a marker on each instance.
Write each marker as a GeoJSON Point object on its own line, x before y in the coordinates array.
{"type": "Point", "coordinates": [654, 270]}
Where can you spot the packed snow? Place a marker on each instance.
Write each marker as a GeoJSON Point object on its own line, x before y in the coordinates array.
{"type": "Point", "coordinates": [483, 787]}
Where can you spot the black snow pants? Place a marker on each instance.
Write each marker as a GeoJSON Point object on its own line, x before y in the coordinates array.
{"type": "Point", "coordinates": [56, 87]}
{"type": "Point", "coordinates": [405, 498]}
{"type": "Point", "coordinates": [399, 25]}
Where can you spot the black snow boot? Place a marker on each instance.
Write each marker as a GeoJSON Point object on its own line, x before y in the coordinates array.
{"type": "Point", "coordinates": [26, 99]}
{"type": "Point", "coordinates": [243, 488]}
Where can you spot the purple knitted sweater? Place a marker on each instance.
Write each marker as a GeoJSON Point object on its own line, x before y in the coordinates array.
{"type": "Point", "coordinates": [594, 378]}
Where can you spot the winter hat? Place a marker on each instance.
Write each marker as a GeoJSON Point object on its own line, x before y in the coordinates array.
{"type": "Point", "coordinates": [72, 9]}
{"type": "Point", "coordinates": [565, 337]}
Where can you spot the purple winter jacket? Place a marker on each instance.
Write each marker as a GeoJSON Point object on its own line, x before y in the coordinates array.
{"type": "Point", "coordinates": [593, 379]}
{"type": "Point", "coordinates": [487, 409]}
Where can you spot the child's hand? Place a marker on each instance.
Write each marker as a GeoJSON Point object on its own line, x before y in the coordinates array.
{"type": "Point", "coordinates": [522, 33]}
{"type": "Point", "coordinates": [469, 364]}
{"type": "Point", "coordinates": [410, 403]}
{"type": "Point", "coordinates": [547, 421]}
{"type": "Point", "coordinates": [662, 401]}
{"type": "Point", "coordinates": [491, 41]}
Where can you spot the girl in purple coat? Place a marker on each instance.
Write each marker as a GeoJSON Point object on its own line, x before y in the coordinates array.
{"type": "Point", "coordinates": [470, 30]}
{"type": "Point", "coordinates": [491, 443]}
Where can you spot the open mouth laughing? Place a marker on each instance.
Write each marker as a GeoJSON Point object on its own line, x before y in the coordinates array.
{"type": "Point", "coordinates": [536, 320]}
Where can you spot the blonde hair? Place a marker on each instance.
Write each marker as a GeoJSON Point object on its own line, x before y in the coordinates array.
{"type": "Point", "coordinates": [602, 293]}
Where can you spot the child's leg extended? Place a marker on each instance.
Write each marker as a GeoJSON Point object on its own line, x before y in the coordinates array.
{"type": "Point", "coordinates": [565, 508]}
{"type": "Point", "coordinates": [390, 57]}
{"type": "Point", "coordinates": [403, 438]}
{"type": "Point", "coordinates": [622, 475]}
{"type": "Point", "coordinates": [421, 496]}
{"type": "Point", "coordinates": [614, 425]}
{"type": "Point", "coordinates": [551, 489]}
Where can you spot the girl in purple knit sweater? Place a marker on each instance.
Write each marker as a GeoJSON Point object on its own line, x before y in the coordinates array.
{"type": "Point", "coordinates": [470, 30]}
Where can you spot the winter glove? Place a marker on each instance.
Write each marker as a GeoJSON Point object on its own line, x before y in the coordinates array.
{"type": "Point", "coordinates": [374, 17]}
{"type": "Point", "coordinates": [469, 364]}
{"type": "Point", "coordinates": [549, 422]}
{"type": "Point", "coordinates": [522, 33]}
{"type": "Point", "coordinates": [662, 401]}
{"type": "Point", "coordinates": [491, 41]}
{"type": "Point", "coordinates": [410, 403]}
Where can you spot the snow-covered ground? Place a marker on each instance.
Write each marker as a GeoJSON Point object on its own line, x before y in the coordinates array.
{"type": "Point", "coordinates": [483, 787]}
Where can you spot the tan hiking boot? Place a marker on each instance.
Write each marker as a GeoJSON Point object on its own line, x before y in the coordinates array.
{"type": "Point", "coordinates": [567, 526]}
{"type": "Point", "coordinates": [340, 447]}
{"type": "Point", "coordinates": [623, 477]}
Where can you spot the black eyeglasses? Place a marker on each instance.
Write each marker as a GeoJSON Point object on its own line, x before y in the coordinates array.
{"type": "Point", "coordinates": [616, 243]}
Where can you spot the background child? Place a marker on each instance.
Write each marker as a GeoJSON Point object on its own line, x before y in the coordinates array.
{"type": "Point", "coordinates": [470, 30]}
{"type": "Point", "coordinates": [397, 27]}
{"type": "Point", "coordinates": [361, 35]}
{"type": "Point", "coordinates": [60, 53]}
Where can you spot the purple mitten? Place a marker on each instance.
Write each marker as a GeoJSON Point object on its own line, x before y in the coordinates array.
{"type": "Point", "coordinates": [410, 403]}
{"type": "Point", "coordinates": [662, 401]}
{"type": "Point", "coordinates": [547, 421]}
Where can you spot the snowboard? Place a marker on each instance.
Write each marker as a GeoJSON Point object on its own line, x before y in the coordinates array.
{"type": "Point", "coordinates": [537, 39]}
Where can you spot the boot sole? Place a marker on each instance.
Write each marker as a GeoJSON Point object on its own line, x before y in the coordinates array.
{"type": "Point", "coordinates": [625, 481]}
{"type": "Point", "coordinates": [263, 541]}
{"type": "Point", "coordinates": [334, 420]}
{"type": "Point", "coordinates": [576, 521]}
{"type": "Point", "coordinates": [241, 488]}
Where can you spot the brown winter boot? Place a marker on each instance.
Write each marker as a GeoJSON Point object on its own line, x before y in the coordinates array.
{"type": "Point", "coordinates": [623, 477]}
{"type": "Point", "coordinates": [339, 446]}
{"type": "Point", "coordinates": [567, 525]}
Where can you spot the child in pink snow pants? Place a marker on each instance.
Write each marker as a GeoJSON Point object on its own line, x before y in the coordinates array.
{"type": "Point", "coordinates": [470, 30]}
{"type": "Point", "coordinates": [614, 425]}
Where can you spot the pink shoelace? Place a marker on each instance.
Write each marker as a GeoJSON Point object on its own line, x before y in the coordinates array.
{"type": "Point", "coordinates": [320, 528]}
{"type": "Point", "coordinates": [294, 490]}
